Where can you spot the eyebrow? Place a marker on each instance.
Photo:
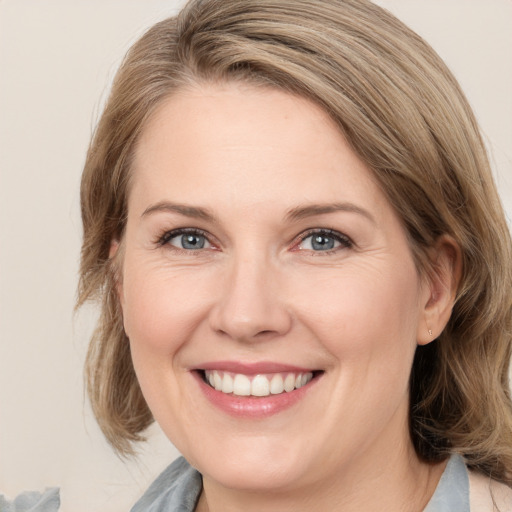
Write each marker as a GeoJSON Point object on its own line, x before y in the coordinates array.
{"type": "Point", "coordinates": [186, 210]}
{"type": "Point", "coordinates": [295, 214]}
{"type": "Point", "coordinates": [302, 212]}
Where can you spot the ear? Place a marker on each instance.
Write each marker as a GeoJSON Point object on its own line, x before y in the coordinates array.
{"type": "Point", "coordinates": [440, 289]}
{"type": "Point", "coordinates": [114, 247]}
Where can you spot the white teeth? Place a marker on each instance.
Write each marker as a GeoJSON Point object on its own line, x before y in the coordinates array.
{"type": "Point", "coordinates": [289, 382]}
{"type": "Point", "coordinates": [276, 384]}
{"type": "Point", "coordinates": [241, 385]}
{"type": "Point", "coordinates": [261, 385]}
{"type": "Point", "coordinates": [227, 384]}
{"type": "Point", "coordinates": [217, 381]}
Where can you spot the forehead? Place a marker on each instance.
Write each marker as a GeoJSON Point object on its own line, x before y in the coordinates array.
{"type": "Point", "coordinates": [247, 143]}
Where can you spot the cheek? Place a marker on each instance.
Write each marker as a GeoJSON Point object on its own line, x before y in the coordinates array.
{"type": "Point", "coordinates": [160, 308]}
{"type": "Point", "coordinates": [361, 309]}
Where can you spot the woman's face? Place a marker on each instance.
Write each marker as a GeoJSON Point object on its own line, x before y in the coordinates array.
{"type": "Point", "coordinates": [261, 256]}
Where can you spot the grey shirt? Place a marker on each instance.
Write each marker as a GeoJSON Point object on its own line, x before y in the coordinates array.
{"type": "Point", "coordinates": [31, 501]}
{"type": "Point", "coordinates": [178, 488]}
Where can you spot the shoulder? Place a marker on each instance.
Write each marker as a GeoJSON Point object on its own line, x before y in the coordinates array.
{"type": "Point", "coordinates": [176, 489]}
{"type": "Point", "coordinates": [487, 495]}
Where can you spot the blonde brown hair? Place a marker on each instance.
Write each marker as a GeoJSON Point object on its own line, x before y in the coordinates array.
{"type": "Point", "coordinates": [404, 114]}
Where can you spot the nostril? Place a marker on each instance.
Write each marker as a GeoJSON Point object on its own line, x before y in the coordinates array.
{"type": "Point", "coordinates": [267, 332]}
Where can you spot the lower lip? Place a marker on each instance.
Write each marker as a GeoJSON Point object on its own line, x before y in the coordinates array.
{"type": "Point", "coordinates": [253, 407]}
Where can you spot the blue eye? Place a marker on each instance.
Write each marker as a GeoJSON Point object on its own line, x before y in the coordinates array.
{"type": "Point", "coordinates": [187, 240]}
{"type": "Point", "coordinates": [324, 240]}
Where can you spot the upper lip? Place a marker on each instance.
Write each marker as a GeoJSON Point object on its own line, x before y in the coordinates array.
{"type": "Point", "coordinates": [253, 368]}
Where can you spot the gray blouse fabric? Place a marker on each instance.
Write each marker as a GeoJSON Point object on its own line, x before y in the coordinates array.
{"type": "Point", "coordinates": [30, 501]}
{"type": "Point", "coordinates": [178, 488]}
{"type": "Point", "coordinates": [452, 492]}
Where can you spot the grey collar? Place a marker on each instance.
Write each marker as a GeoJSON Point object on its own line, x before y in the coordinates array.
{"type": "Point", "coordinates": [452, 492]}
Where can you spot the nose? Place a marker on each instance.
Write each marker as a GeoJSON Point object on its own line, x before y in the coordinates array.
{"type": "Point", "coordinates": [250, 305]}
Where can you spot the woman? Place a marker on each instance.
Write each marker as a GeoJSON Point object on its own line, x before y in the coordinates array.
{"type": "Point", "coordinates": [303, 264]}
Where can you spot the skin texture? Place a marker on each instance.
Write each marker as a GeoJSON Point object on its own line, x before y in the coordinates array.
{"type": "Point", "coordinates": [259, 291]}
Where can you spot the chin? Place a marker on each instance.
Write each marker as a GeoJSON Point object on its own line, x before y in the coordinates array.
{"type": "Point", "coordinates": [260, 467]}
{"type": "Point", "coordinates": [256, 477]}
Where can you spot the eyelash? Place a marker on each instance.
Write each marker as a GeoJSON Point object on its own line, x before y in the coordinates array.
{"type": "Point", "coordinates": [167, 236]}
{"type": "Point", "coordinates": [344, 241]}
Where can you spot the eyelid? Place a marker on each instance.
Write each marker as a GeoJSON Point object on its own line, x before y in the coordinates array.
{"type": "Point", "coordinates": [166, 236]}
{"type": "Point", "coordinates": [343, 239]}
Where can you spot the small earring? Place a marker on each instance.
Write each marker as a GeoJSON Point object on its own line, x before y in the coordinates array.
{"type": "Point", "coordinates": [430, 332]}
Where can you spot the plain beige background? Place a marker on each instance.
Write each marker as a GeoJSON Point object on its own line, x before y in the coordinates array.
{"type": "Point", "coordinates": [56, 60]}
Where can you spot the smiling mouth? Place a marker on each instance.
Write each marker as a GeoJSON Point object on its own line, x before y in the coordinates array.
{"type": "Point", "coordinates": [260, 385]}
